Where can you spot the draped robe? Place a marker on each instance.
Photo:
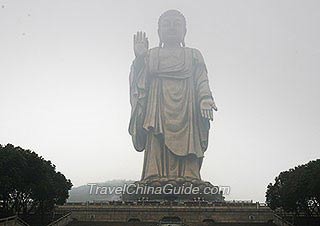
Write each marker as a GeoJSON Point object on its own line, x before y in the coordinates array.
{"type": "Point", "coordinates": [166, 88]}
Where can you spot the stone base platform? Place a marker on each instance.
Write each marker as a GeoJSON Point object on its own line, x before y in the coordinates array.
{"type": "Point", "coordinates": [189, 213]}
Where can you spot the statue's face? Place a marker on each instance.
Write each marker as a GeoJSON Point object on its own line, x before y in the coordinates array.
{"type": "Point", "coordinates": [172, 29]}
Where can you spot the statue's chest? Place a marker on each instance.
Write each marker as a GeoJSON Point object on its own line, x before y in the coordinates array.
{"type": "Point", "coordinates": [171, 64]}
{"type": "Point", "coordinates": [171, 58]}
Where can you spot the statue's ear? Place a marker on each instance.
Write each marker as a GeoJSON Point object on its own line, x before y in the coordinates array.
{"type": "Point", "coordinates": [183, 38]}
{"type": "Point", "coordinates": [160, 38]}
{"type": "Point", "coordinates": [185, 32]}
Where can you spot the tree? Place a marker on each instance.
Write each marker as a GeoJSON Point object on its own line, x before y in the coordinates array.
{"type": "Point", "coordinates": [297, 190]}
{"type": "Point", "coordinates": [28, 182]}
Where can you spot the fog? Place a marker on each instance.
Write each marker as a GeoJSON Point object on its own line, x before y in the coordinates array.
{"type": "Point", "coordinates": [64, 87]}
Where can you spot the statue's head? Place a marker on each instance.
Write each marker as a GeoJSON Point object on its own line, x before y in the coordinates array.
{"type": "Point", "coordinates": [172, 27]}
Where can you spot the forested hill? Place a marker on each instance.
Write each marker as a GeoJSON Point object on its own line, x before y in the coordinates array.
{"type": "Point", "coordinates": [100, 192]}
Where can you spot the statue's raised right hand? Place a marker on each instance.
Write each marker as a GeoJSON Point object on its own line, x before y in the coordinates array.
{"type": "Point", "coordinates": [140, 44]}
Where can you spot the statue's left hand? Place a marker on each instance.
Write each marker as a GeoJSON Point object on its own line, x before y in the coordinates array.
{"type": "Point", "coordinates": [206, 106]}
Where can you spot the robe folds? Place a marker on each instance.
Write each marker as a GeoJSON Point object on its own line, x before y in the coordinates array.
{"type": "Point", "coordinates": [166, 88]}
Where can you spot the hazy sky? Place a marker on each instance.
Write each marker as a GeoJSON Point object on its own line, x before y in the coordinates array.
{"type": "Point", "coordinates": [64, 89]}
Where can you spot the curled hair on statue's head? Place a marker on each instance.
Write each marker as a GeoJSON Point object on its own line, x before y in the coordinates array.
{"type": "Point", "coordinates": [172, 12]}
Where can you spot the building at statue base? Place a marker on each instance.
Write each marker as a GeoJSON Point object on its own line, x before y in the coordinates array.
{"type": "Point", "coordinates": [174, 213]}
